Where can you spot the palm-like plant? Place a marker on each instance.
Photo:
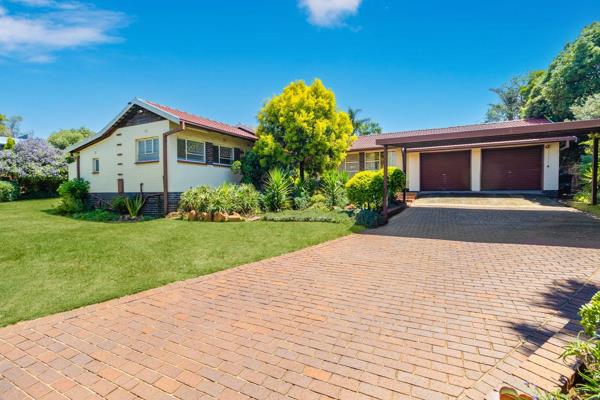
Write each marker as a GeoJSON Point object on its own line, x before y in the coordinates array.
{"type": "Point", "coordinates": [277, 190]}
{"type": "Point", "coordinates": [134, 205]}
{"type": "Point", "coordinates": [333, 187]}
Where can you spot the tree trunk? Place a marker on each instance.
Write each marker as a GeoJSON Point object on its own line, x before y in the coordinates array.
{"type": "Point", "coordinates": [301, 172]}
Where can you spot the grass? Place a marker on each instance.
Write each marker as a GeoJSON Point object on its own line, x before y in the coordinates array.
{"type": "Point", "coordinates": [51, 263]}
{"type": "Point", "coordinates": [585, 207]}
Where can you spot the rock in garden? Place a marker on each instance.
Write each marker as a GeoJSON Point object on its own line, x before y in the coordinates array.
{"type": "Point", "coordinates": [193, 216]}
{"type": "Point", "coordinates": [204, 216]}
{"type": "Point", "coordinates": [235, 217]}
{"type": "Point", "coordinates": [220, 217]}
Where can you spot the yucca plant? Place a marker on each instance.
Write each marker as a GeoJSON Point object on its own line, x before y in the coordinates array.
{"type": "Point", "coordinates": [277, 190]}
{"type": "Point", "coordinates": [134, 205]}
{"type": "Point", "coordinates": [333, 187]}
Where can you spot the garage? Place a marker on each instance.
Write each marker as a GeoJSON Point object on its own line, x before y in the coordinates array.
{"type": "Point", "coordinates": [515, 168]}
{"type": "Point", "coordinates": [446, 171]}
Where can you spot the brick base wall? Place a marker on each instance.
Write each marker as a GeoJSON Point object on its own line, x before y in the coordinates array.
{"type": "Point", "coordinates": [152, 207]}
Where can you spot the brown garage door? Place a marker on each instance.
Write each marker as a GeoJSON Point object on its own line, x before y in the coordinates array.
{"type": "Point", "coordinates": [518, 168]}
{"type": "Point", "coordinates": [447, 171]}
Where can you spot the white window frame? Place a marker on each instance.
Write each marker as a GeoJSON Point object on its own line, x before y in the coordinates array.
{"type": "Point", "coordinates": [232, 158]}
{"type": "Point", "coordinates": [187, 159]}
{"type": "Point", "coordinates": [392, 158]}
{"type": "Point", "coordinates": [95, 165]}
{"type": "Point", "coordinates": [154, 147]}
{"type": "Point", "coordinates": [371, 164]}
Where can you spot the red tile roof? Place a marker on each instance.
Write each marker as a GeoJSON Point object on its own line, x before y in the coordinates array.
{"type": "Point", "coordinates": [242, 132]}
{"type": "Point", "coordinates": [368, 142]}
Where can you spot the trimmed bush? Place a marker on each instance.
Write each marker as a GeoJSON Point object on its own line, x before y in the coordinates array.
{"type": "Point", "coordinates": [9, 191]}
{"type": "Point", "coordinates": [365, 189]}
{"type": "Point", "coordinates": [369, 218]}
{"type": "Point", "coordinates": [73, 194]}
{"type": "Point", "coordinates": [310, 215]}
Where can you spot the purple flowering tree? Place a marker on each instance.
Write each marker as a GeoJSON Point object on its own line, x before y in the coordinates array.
{"type": "Point", "coordinates": [35, 165]}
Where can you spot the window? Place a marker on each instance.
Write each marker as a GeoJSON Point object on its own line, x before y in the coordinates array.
{"type": "Point", "coordinates": [351, 163]}
{"type": "Point", "coordinates": [95, 165]}
{"type": "Point", "coordinates": [372, 161]}
{"type": "Point", "coordinates": [225, 155]}
{"type": "Point", "coordinates": [147, 150]}
{"type": "Point", "coordinates": [392, 160]}
{"type": "Point", "coordinates": [191, 150]}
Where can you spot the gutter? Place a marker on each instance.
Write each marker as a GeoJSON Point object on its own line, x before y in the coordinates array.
{"type": "Point", "coordinates": [166, 134]}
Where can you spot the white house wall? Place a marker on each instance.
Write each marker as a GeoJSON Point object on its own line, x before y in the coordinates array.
{"type": "Point", "coordinates": [117, 155]}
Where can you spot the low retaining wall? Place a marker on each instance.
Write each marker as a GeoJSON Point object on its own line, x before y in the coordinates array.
{"type": "Point", "coordinates": [152, 207]}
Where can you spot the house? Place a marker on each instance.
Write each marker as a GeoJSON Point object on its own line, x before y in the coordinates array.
{"type": "Point", "coordinates": [521, 155]}
{"type": "Point", "coordinates": [158, 150]}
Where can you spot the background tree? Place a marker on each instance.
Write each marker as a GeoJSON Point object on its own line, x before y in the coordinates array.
{"type": "Point", "coordinates": [572, 76]}
{"type": "Point", "coordinates": [301, 128]}
{"type": "Point", "coordinates": [588, 109]}
{"type": "Point", "coordinates": [511, 96]}
{"type": "Point", "coordinates": [66, 137]}
{"type": "Point", "coordinates": [362, 126]}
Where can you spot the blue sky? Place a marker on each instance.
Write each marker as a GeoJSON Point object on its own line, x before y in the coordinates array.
{"type": "Point", "coordinates": [407, 64]}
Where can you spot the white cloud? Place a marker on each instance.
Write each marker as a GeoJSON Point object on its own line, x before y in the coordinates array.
{"type": "Point", "coordinates": [54, 26]}
{"type": "Point", "coordinates": [329, 13]}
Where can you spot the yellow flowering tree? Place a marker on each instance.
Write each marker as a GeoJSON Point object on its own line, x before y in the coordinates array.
{"type": "Point", "coordinates": [303, 129]}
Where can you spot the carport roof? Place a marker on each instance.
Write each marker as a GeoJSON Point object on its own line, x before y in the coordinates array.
{"type": "Point", "coordinates": [485, 133]}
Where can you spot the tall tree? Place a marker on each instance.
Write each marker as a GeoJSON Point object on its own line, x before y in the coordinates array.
{"type": "Point", "coordinates": [303, 128]}
{"type": "Point", "coordinates": [571, 77]}
{"type": "Point", "coordinates": [588, 109]}
{"type": "Point", "coordinates": [511, 96]}
{"type": "Point", "coordinates": [362, 126]}
{"type": "Point", "coordinates": [66, 137]}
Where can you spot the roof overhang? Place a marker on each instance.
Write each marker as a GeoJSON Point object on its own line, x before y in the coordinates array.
{"type": "Point", "coordinates": [505, 143]}
{"type": "Point", "coordinates": [551, 131]}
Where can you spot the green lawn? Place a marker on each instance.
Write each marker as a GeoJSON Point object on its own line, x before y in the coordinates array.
{"type": "Point", "coordinates": [50, 263]}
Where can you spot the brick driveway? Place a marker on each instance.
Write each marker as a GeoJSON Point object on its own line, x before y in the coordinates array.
{"type": "Point", "coordinates": [442, 303]}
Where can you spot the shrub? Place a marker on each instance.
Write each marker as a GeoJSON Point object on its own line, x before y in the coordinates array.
{"type": "Point", "coordinates": [369, 218]}
{"type": "Point", "coordinates": [365, 189]}
{"type": "Point", "coordinates": [118, 204]}
{"type": "Point", "coordinates": [35, 165]}
{"type": "Point", "coordinates": [277, 191]}
{"type": "Point", "coordinates": [229, 198]}
{"type": "Point", "coordinates": [301, 202]}
{"type": "Point", "coordinates": [73, 194]}
{"type": "Point", "coordinates": [97, 216]}
{"type": "Point", "coordinates": [134, 205]}
{"type": "Point", "coordinates": [9, 191]}
{"type": "Point", "coordinates": [333, 186]}
{"type": "Point", "coordinates": [311, 215]}
{"type": "Point", "coordinates": [317, 198]}
{"type": "Point", "coordinates": [197, 199]}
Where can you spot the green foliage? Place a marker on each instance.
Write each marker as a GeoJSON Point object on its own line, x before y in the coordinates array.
{"type": "Point", "coordinates": [277, 191]}
{"type": "Point", "coordinates": [333, 186]}
{"type": "Point", "coordinates": [134, 205]}
{"type": "Point", "coordinates": [236, 167]}
{"type": "Point", "coordinates": [96, 216]}
{"type": "Point", "coordinates": [197, 199]}
{"type": "Point", "coordinates": [251, 168]}
{"type": "Point", "coordinates": [243, 199]}
{"type": "Point", "coordinates": [118, 204]}
{"type": "Point", "coordinates": [10, 144]}
{"type": "Point", "coordinates": [9, 191]}
{"type": "Point", "coordinates": [302, 128]}
{"type": "Point", "coordinates": [369, 218]}
{"type": "Point", "coordinates": [589, 108]}
{"type": "Point", "coordinates": [365, 189]}
{"type": "Point", "coordinates": [310, 215]}
{"type": "Point", "coordinates": [590, 315]}
{"type": "Point", "coordinates": [73, 194]}
{"type": "Point", "coordinates": [511, 96]}
{"type": "Point", "coordinates": [362, 126]}
{"type": "Point", "coordinates": [67, 137]}
{"type": "Point", "coordinates": [318, 198]}
{"type": "Point", "coordinates": [571, 77]}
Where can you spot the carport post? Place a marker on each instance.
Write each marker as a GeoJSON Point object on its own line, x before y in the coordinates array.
{"type": "Point", "coordinates": [405, 176]}
{"type": "Point", "coordinates": [385, 183]}
{"type": "Point", "coordinates": [595, 170]}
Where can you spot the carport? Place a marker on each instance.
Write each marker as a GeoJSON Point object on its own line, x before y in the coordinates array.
{"type": "Point", "coordinates": [488, 158]}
